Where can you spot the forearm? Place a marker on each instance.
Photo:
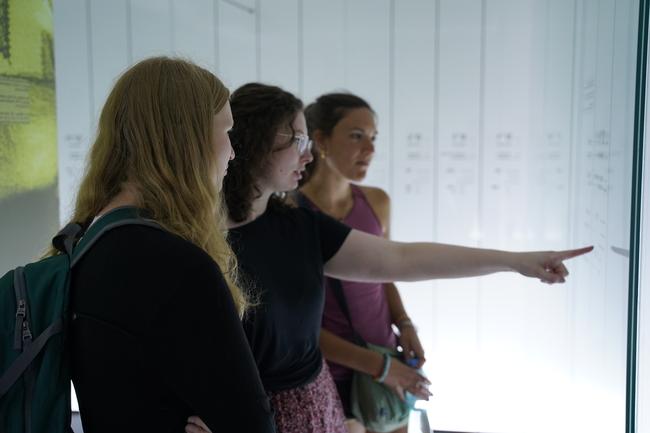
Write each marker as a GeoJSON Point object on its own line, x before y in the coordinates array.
{"type": "Point", "coordinates": [423, 261]}
{"type": "Point", "coordinates": [350, 355]}
{"type": "Point", "coordinates": [364, 257]}
{"type": "Point", "coordinates": [395, 305]}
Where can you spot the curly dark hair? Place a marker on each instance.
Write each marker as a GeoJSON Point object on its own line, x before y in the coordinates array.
{"type": "Point", "coordinates": [324, 114]}
{"type": "Point", "coordinates": [258, 110]}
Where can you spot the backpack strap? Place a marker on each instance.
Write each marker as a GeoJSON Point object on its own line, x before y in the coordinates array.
{"type": "Point", "coordinates": [22, 340]}
{"type": "Point", "coordinates": [28, 355]}
{"type": "Point", "coordinates": [66, 238]}
{"type": "Point", "coordinates": [64, 241]}
{"type": "Point", "coordinates": [116, 218]}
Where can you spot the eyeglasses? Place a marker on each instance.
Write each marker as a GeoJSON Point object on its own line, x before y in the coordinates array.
{"type": "Point", "coordinates": [303, 142]}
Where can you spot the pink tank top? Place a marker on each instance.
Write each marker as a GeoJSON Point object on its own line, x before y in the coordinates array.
{"type": "Point", "coordinates": [367, 302]}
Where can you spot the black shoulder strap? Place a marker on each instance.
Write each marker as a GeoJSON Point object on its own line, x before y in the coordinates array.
{"type": "Point", "coordinates": [65, 240]}
{"type": "Point", "coordinates": [22, 362]}
{"type": "Point", "coordinates": [116, 218]}
{"type": "Point", "coordinates": [337, 288]}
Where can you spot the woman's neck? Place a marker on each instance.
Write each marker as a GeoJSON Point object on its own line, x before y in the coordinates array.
{"type": "Point", "coordinates": [330, 191]}
{"type": "Point", "coordinates": [258, 207]}
{"type": "Point", "coordinates": [128, 196]}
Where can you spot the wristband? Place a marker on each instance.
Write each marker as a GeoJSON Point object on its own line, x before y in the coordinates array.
{"type": "Point", "coordinates": [384, 371]}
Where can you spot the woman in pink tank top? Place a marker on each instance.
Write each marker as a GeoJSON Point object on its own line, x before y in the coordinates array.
{"type": "Point", "coordinates": [343, 129]}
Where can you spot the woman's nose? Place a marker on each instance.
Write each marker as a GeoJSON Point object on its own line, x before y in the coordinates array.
{"type": "Point", "coordinates": [307, 156]}
{"type": "Point", "coordinates": [369, 146]}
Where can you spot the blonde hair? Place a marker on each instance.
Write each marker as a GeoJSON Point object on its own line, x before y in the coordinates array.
{"type": "Point", "coordinates": [155, 132]}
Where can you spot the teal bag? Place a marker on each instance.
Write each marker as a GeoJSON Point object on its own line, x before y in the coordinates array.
{"type": "Point", "coordinates": [375, 405]}
{"type": "Point", "coordinates": [372, 403]}
{"type": "Point", "coordinates": [34, 317]}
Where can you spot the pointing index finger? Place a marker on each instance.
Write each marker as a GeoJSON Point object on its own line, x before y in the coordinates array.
{"type": "Point", "coordinates": [569, 254]}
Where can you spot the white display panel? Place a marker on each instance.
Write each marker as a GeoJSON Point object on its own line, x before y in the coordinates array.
{"type": "Point", "coordinates": [199, 45]}
{"type": "Point", "coordinates": [454, 362]}
{"type": "Point", "coordinates": [110, 48]}
{"type": "Point", "coordinates": [413, 142]}
{"type": "Point", "coordinates": [237, 39]}
{"type": "Point", "coordinates": [367, 73]}
{"type": "Point", "coordinates": [74, 105]}
{"type": "Point", "coordinates": [281, 44]}
{"type": "Point", "coordinates": [502, 123]}
{"type": "Point", "coordinates": [152, 28]}
{"type": "Point", "coordinates": [413, 145]}
{"type": "Point", "coordinates": [604, 95]}
{"type": "Point", "coordinates": [323, 47]}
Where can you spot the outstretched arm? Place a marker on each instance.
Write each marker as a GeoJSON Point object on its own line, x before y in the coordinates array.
{"type": "Point", "coordinates": [364, 257]}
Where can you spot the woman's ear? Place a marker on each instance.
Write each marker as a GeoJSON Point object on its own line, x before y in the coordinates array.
{"type": "Point", "coordinates": [320, 143]}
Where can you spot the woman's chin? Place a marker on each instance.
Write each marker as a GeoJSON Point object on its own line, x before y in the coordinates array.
{"type": "Point", "coordinates": [358, 176]}
{"type": "Point", "coordinates": [292, 186]}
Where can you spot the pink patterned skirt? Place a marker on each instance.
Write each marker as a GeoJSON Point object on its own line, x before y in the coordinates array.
{"type": "Point", "coordinates": [311, 408]}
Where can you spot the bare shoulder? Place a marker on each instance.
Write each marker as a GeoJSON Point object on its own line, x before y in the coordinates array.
{"type": "Point", "coordinates": [379, 201]}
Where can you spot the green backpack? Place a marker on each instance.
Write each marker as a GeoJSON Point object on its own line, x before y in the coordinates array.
{"type": "Point", "coordinates": [34, 319]}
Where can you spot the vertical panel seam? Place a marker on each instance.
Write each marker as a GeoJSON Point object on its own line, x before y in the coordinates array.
{"type": "Point", "coordinates": [574, 132]}
{"type": "Point", "coordinates": [570, 293]}
{"type": "Point", "coordinates": [391, 95]}
{"type": "Point", "coordinates": [346, 11]}
{"type": "Point", "coordinates": [301, 48]}
{"type": "Point", "coordinates": [435, 166]}
{"type": "Point", "coordinates": [481, 158]}
{"type": "Point", "coordinates": [215, 15]}
{"type": "Point", "coordinates": [91, 70]}
{"type": "Point", "coordinates": [129, 32]}
{"type": "Point", "coordinates": [258, 39]}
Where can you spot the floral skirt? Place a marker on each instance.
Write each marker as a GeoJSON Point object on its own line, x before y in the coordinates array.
{"type": "Point", "coordinates": [311, 408]}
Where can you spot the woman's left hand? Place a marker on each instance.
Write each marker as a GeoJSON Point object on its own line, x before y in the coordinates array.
{"type": "Point", "coordinates": [196, 425]}
{"type": "Point", "coordinates": [410, 342]}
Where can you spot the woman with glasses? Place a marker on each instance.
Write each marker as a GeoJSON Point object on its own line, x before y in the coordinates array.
{"type": "Point", "coordinates": [281, 251]}
{"type": "Point", "coordinates": [344, 130]}
{"type": "Point", "coordinates": [284, 251]}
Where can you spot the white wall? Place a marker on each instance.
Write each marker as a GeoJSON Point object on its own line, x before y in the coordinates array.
{"type": "Point", "coordinates": [503, 123]}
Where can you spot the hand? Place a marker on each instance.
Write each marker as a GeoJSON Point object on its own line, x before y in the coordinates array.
{"type": "Point", "coordinates": [196, 425]}
{"type": "Point", "coordinates": [546, 265]}
{"type": "Point", "coordinates": [410, 342]}
{"type": "Point", "coordinates": [402, 378]}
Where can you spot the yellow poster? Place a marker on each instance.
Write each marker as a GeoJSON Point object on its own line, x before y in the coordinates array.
{"type": "Point", "coordinates": [28, 152]}
{"type": "Point", "coordinates": [28, 144]}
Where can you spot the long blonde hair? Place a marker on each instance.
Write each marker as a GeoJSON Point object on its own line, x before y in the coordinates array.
{"type": "Point", "coordinates": [155, 132]}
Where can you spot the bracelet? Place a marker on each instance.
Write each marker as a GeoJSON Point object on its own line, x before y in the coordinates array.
{"type": "Point", "coordinates": [384, 371]}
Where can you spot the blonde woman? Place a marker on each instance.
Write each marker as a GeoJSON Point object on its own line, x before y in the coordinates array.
{"type": "Point", "coordinates": [157, 336]}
